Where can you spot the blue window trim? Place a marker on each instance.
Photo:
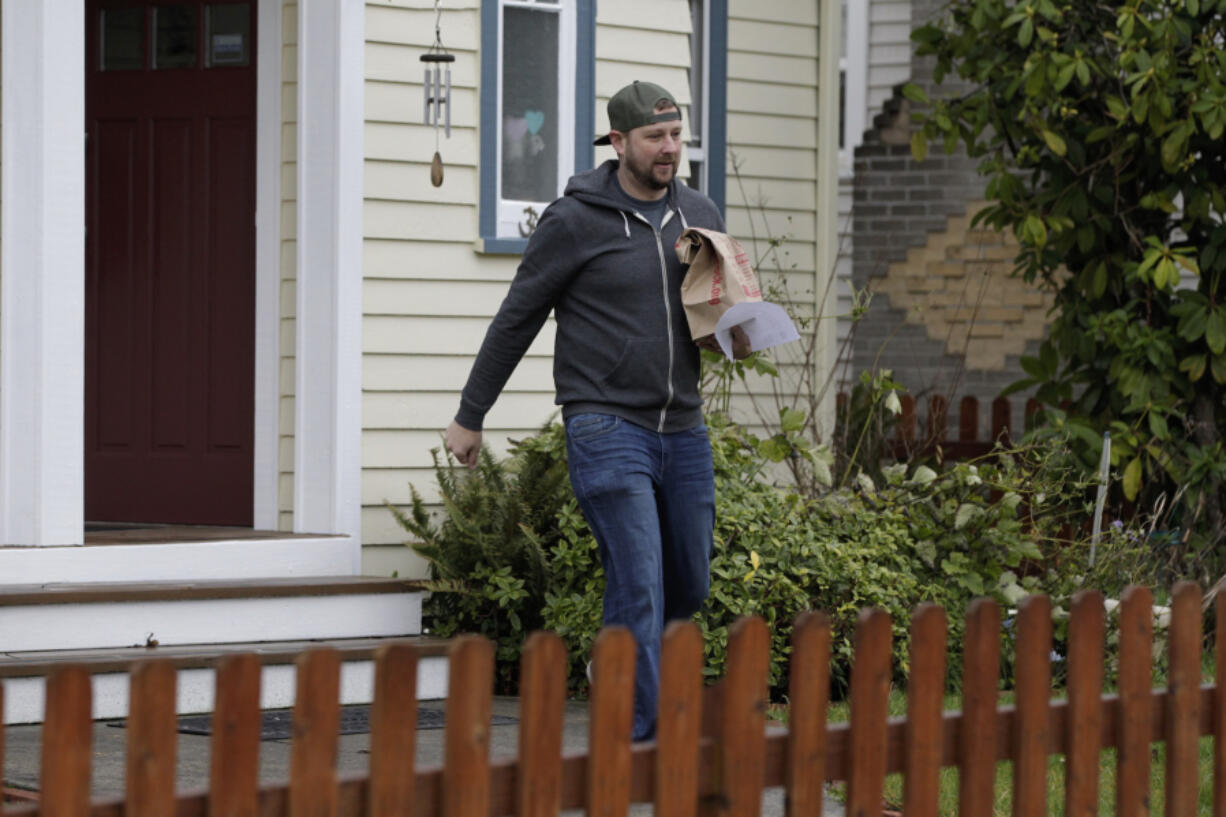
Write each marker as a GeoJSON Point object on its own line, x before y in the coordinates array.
{"type": "Point", "coordinates": [717, 104]}
{"type": "Point", "coordinates": [585, 116]}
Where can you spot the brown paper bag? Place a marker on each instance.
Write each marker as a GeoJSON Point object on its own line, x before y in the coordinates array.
{"type": "Point", "coordinates": [719, 277]}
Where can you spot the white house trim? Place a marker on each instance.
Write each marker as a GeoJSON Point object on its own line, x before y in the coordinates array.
{"type": "Point", "coordinates": [42, 285]}
{"type": "Point", "coordinates": [827, 254]}
{"type": "Point", "coordinates": [267, 263]}
{"type": "Point", "coordinates": [856, 91]}
{"type": "Point", "coordinates": [328, 386]}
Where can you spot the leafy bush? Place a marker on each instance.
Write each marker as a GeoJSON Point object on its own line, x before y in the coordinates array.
{"type": "Point", "coordinates": [1100, 130]}
{"type": "Point", "coordinates": [512, 552]}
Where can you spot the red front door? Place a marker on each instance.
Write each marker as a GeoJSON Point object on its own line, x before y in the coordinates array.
{"type": "Point", "coordinates": [170, 261]}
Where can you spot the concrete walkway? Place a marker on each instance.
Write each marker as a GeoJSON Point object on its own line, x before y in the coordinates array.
{"type": "Point", "coordinates": [22, 750]}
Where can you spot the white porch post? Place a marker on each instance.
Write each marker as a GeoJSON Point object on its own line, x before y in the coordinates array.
{"type": "Point", "coordinates": [830, 39]}
{"type": "Point", "coordinates": [328, 390]}
{"type": "Point", "coordinates": [42, 272]}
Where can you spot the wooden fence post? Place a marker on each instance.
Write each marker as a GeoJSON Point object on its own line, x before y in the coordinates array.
{"type": "Point", "coordinates": [234, 751]}
{"type": "Point", "coordinates": [870, 697]}
{"type": "Point", "coordinates": [1136, 678]}
{"type": "Point", "coordinates": [1085, 689]}
{"type": "Point", "coordinates": [68, 740]}
{"type": "Point", "coordinates": [1183, 703]}
{"type": "Point", "coordinates": [925, 700]}
{"type": "Point", "coordinates": [980, 678]}
{"type": "Point", "coordinates": [542, 701]}
{"type": "Point", "coordinates": [152, 740]}
{"type": "Point", "coordinates": [968, 420]}
{"type": "Point", "coordinates": [1219, 708]}
{"type": "Point", "coordinates": [742, 742]}
{"type": "Point", "coordinates": [466, 738]}
{"type": "Point", "coordinates": [312, 771]}
{"type": "Point", "coordinates": [808, 696]}
{"type": "Point", "coordinates": [1033, 671]}
{"type": "Point", "coordinates": [679, 725]}
{"type": "Point", "coordinates": [611, 722]}
{"type": "Point", "coordinates": [393, 732]}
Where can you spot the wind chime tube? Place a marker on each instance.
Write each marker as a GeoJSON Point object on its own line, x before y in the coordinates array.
{"type": "Point", "coordinates": [447, 105]}
{"type": "Point", "coordinates": [425, 116]}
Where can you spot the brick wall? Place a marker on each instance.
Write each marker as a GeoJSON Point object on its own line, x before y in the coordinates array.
{"type": "Point", "coordinates": [945, 315]}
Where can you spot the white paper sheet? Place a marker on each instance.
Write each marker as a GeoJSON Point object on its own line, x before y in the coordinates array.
{"type": "Point", "coordinates": [765, 324]}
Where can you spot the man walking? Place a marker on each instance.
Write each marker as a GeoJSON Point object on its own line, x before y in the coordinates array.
{"type": "Point", "coordinates": [625, 370]}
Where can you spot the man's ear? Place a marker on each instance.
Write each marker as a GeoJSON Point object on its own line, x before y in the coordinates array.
{"type": "Point", "coordinates": [618, 140]}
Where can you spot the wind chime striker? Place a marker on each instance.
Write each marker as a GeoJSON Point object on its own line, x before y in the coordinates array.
{"type": "Point", "coordinates": [438, 93]}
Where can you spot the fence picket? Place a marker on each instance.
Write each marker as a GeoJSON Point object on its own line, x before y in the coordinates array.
{"type": "Point", "coordinates": [1033, 697]}
{"type": "Point", "coordinates": [1183, 702]}
{"type": "Point", "coordinates": [679, 725]}
{"type": "Point", "coordinates": [743, 739]}
{"type": "Point", "coordinates": [1136, 676]}
{"type": "Point", "coordinates": [234, 751]}
{"type": "Point", "coordinates": [466, 737]}
{"type": "Point", "coordinates": [1219, 708]}
{"type": "Point", "coordinates": [542, 700]}
{"type": "Point", "coordinates": [1085, 688]}
{"type": "Point", "coordinates": [1002, 419]}
{"type": "Point", "coordinates": [938, 418]}
{"type": "Point", "coordinates": [870, 692]}
{"type": "Point", "coordinates": [67, 744]}
{"type": "Point", "coordinates": [980, 679]}
{"type": "Point", "coordinates": [968, 420]}
{"type": "Point", "coordinates": [312, 771]}
{"type": "Point", "coordinates": [393, 732]}
{"type": "Point", "coordinates": [905, 424]}
{"type": "Point", "coordinates": [612, 720]}
{"type": "Point", "coordinates": [152, 740]}
{"type": "Point", "coordinates": [808, 697]}
{"type": "Point", "coordinates": [925, 699]}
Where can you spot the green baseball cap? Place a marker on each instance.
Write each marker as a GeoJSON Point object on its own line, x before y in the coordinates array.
{"type": "Point", "coordinates": [635, 106]}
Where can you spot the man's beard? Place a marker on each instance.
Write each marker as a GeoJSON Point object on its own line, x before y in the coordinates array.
{"type": "Point", "coordinates": [644, 172]}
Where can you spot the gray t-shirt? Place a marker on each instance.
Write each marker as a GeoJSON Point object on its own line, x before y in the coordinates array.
{"type": "Point", "coordinates": [653, 211]}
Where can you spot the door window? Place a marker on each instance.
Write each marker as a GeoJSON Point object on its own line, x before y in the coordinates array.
{"type": "Point", "coordinates": [174, 37]}
{"type": "Point", "coordinates": [227, 34]}
{"type": "Point", "coordinates": [123, 39]}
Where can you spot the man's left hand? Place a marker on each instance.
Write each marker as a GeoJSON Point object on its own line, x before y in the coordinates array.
{"type": "Point", "coordinates": [740, 344]}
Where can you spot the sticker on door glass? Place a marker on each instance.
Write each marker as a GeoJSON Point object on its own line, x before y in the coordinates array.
{"type": "Point", "coordinates": [227, 49]}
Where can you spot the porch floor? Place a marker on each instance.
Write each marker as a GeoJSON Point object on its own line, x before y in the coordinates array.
{"type": "Point", "coordinates": [134, 533]}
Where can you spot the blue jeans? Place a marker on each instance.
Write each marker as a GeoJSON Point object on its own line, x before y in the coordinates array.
{"type": "Point", "coordinates": [650, 501]}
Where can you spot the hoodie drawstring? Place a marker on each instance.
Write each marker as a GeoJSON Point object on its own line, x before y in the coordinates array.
{"type": "Point", "coordinates": [684, 226]}
{"type": "Point", "coordinates": [626, 222]}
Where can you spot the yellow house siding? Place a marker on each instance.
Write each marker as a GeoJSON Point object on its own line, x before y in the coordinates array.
{"type": "Point", "coordinates": [889, 50]}
{"type": "Point", "coordinates": [428, 296]}
{"type": "Point", "coordinates": [772, 162]}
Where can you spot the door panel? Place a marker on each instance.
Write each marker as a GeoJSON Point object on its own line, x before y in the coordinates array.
{"type": "Point", "coordinates": [170, 269]}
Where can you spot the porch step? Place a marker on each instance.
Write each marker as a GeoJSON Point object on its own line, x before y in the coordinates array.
{"type": "Point", "coordinates": [23, 674]}
{"type": "Point", "coordinates": [112, 614]}
{"type": "Point", "coordinates": [162, 553]}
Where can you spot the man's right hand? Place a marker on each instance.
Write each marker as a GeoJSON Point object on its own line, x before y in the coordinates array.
{"type": "Point", "coordinates": [464, 443]}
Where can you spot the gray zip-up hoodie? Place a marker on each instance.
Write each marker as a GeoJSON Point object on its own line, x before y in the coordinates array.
{"type": "Point", "coordinates": [623, 345]}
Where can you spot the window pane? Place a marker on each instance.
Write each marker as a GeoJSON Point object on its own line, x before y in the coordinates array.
{"type": "Point", "coordinates": [174, 37]}
{"type": "Point", "coordinates": [123, 39]}
{"type": "Point", "coordinates": [229, 30]}
{"type": "Point", "coordinates": [530, 105]}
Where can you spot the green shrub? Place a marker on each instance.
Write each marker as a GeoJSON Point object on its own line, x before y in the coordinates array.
{"type": "Point", "coordinates": [512, 552]}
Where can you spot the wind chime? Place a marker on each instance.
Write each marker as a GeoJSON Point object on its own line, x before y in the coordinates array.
{"type": "Point", "coordinates": [438, 93]}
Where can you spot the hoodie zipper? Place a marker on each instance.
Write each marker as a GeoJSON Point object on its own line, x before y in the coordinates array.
{"type": "Point", "coordinates": [668, 311]}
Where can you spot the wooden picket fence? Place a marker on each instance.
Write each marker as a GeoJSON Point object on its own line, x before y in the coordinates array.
{"type": "Point", "coordinates": [931, 434]}
{"type": "Point", "coordinates": [715, 750]}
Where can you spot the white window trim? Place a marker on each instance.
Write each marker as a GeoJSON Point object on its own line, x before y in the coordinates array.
{"type": "Point", "coordinates": [855, 69]}
{"type": "Point", "coordinates": [510, 211]}
{"type": "Point", "coordinates": [698, 153]}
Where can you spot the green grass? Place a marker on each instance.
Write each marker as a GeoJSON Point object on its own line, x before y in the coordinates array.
{"type": "Point", "coordinates": [1003, 804]}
